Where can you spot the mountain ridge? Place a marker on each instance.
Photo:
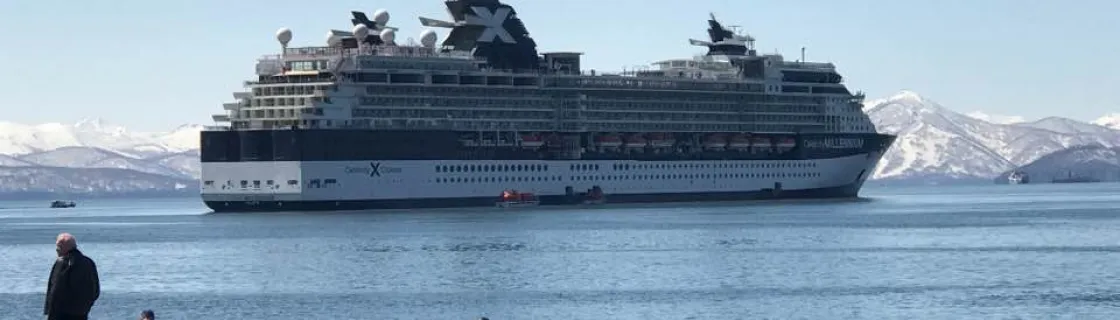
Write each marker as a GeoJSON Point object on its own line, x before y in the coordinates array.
{"type": "Point", "coordinates": [22, 139]}
{"type": "Point", "coordinates": [934, 141]}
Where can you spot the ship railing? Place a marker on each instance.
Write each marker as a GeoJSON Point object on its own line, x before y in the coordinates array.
{"type": "Point", "coordinates": [216, 128]}
{"type": "Point", "coordinates": [808, 65]}
{"type": "Point", "coordinates": [384, 51]}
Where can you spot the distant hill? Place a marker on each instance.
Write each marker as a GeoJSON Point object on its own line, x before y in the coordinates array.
{"type": "Point", "coordinates": [22, 182]}
{"type": "Point", "coordinates": [1094, 161]}
{"type": "Point", "coordinates": [92, 158]}
{"type": "Point", "coordinates": [936, 145]}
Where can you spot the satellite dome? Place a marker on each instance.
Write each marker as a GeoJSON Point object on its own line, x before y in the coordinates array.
{"type": "Point", "coordinates": [381, 17]}
{"type": "Point", "coordinates": [332, 39]}
{"type": "Point", "coordinates": [361, 31]}
{"type": "Point", "coordinates": [428, 38]}
{"type": "Point", "coordinates": [388, 35]}
{"type": "Point", "coordinates": [284, 35]}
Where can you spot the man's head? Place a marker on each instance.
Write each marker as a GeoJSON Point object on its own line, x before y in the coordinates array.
{"type": "Point", "coordinates": [64, 243]}
{"type": "Point", "coordinates": [147, 315]}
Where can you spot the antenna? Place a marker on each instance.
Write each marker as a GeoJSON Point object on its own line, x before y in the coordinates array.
{"type": "Point", "coordinates": [802, 54]}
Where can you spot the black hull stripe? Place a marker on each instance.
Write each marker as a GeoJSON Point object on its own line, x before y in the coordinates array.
{"type": "Point", "coordinates": [848, 191]}
{"type": "Point", "coordinates": [354, 145]}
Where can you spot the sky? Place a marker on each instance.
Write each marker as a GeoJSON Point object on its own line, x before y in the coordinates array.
{"type": "Point", "coordinates": [154, 65]}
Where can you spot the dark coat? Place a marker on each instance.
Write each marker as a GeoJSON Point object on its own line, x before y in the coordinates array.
{"type": "Point", "coordinates": [73, 286]}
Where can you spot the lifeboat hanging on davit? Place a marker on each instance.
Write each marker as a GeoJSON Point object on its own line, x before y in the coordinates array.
{"type": "Point", "coordinates": [661, 140]}
{"type": "Point", "coordinates": [786, 142]}
{"type": "Point", "coordinates": [740, 141]}
{"type": "Point", "coordinates": [608, 141]}
{"type": "Point", "coordinates": [636, 141]}
{"type": "Point", "coordinates": [715, 141]}
{"type": "Point", "coordinates": [531, 141]}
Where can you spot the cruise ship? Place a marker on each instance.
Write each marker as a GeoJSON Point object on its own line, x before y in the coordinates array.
{"type": "Point", "coordinates": [368, 121]}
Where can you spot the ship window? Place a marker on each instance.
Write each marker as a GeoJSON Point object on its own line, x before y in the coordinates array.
{"type": "Point", "coordinates": [293, 182]}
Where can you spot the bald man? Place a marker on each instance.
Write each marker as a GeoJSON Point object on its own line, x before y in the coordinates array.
{"type": "Point", "coordinates": [73, 286]}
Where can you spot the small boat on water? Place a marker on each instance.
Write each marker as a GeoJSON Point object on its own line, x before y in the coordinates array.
{"type": "Point", "coordinates": [595, 196]}
{"type": "Point", "coordinates": [514, 199]}
{"type": "Point", "coordinates": [1018, 177]}
{"type": "Point", "coordinates": [63, 204]}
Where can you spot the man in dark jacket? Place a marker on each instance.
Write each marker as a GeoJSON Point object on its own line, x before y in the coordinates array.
{"type": "Point", "coordinates": [73, 286]}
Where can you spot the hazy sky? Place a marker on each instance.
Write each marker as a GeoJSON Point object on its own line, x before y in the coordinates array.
{"type": "Point", "coordinates": [152, 65]}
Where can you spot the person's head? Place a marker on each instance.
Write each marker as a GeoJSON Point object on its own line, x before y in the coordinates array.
{"type": "Point", "coordinates": [147, 315]}
{"type": "Point", "coordinates": [65, 243]}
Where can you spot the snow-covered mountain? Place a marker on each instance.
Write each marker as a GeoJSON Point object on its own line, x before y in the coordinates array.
{"type": "Point", "coordinates": [27, 182]}
{"type": "Point", "coordinates": [1093, 161]}
{"type": "Point", "coordinates": [87, 157]}
{"type": "Point", "coordinates": [1111, 121]}
{"type": "Point", "coordinates": [20, 139]}
{"type": "Point", "coordinates": [937, 144]}
{"type": "Point", "coordinates": [1069, 126]}
{"type": "Point", "coordinates": [994, 118]}
{"type": "Point", "coordinates": [93, 157]}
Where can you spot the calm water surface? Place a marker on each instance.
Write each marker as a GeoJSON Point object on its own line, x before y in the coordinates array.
{"type": "Point", "coordinates": [986, 252]}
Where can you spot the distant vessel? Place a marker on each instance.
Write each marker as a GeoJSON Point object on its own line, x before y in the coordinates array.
{"type": "Point", "coordinates": [1018, 177]}
{"type": "Point", "coordinates": [365, 122]}
{"type": "Point", "coordinates": [63, 204]}
{"type": "Point", "coordinates": [1070, 178]}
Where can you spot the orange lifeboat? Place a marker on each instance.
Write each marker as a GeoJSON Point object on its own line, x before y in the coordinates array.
{"type": "Point", "coordinates": [760, 142]}
{"type": "Point", "coordinates": [786, 142]}
{"type": "Point", "coordinates": [740, 141]}
{"type": "Point", "coordinates": [531, 141]}
{"type": "Point", "coordinates": [636, 141]}
{"type": "Point", "coordinates": [715, 141]}
{"type": "Point", "coordinates": [661, 140]}
{"type": "Point", "coordinates": [512, 198]}
{"type": "Point", "coordinates": [608, 141]}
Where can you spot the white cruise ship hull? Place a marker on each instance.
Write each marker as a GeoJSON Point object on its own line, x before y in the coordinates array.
{"type": "Point", "coordinates": [360, 185]}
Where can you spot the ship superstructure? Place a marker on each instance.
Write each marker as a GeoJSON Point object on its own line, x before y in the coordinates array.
{"type": "Point", "coordinates": [366, 122]}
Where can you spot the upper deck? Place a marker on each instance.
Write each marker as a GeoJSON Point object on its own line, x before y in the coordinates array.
{"type": "Point", "coordinates": [491, 75]}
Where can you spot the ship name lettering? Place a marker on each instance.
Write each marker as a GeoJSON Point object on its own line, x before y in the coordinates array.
{"type": "Point", "coordinates": [835, 143]}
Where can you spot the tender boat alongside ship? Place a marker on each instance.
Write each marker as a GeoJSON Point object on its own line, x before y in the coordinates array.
{"type": "Point", "coordinates": [514, 199]}
{"type": "Point", "coordinates": [365, 122]}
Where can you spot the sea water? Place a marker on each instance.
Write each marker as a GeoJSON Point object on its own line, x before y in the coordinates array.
{"type": "Point", "coordinates": [970, 252]}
